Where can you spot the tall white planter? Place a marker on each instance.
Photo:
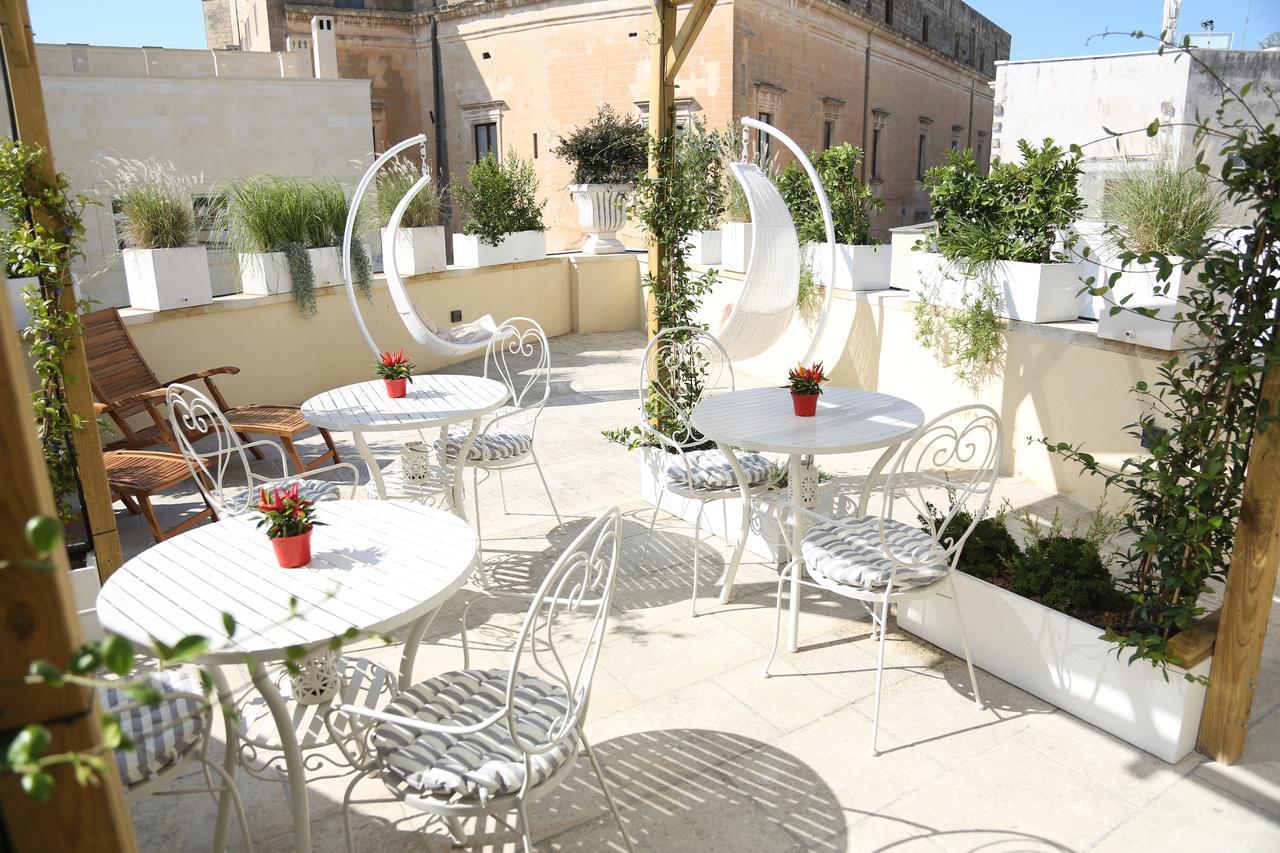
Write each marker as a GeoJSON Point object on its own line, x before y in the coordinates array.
{"type": "Point", "coordinates": [470, 251]}
{"type": "Point", "coordinates": [162, 279]}
{"type": "Point", "coordinates": [735, 246]}
{"type": "Point", "coordinates": [265, 273]}
{"type": "Point", "coordinates": [705, 248]}
{"type": "Point", "coordinates": [1035, 293]}
{"type": "Point", "coordinates": [1160, 331]}
{"type": "Point", "coordinates": [1063, 661]}
{"type": "Point", "coordinates": [602, 212]}
{"type": "Point", "coordinates": [326, 265]}
{"type": "Point", "coordinates": [17, 306]}
{"type": "Point", "coordinates": [857, 267]}
{"type": "Point", "coordinates": [417, 251]}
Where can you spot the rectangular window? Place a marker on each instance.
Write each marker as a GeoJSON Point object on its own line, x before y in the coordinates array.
{"type": "Point", "coordinates": [535, 146]}
{"type": "Point", "coordinates": [210, 210]}
{"type": "Point", "coordinates": [922, 146]}
{"type": "Point", "coordinates": [117, 223]}
{"type": "Point", "coordinates": [924, 30]}
{"type": "Point", "coordinates": [875, 153]}
{"type": "Point", "coordinates": [486, 137]}
{"type": "Point", "coordinates": [762, 138]}
{"type": "Point", "coordinates": [978, 158]}
{"type": "Point", "coordinates": [973, 44]}
{"type": "Point", "coordinates": [828, 131]}
{"type": "Point", "coordinates": [888, 11]}
{"type": "Point", "coordinates": [955, 47]}
{"type": "Point", "coordinates": [983, 62]}
{"type": "Point", "coordinates": [350, 4]}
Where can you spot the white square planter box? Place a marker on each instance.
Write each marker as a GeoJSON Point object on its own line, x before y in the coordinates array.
{"type": "Point", "coordinates": [705, 248]}
{"type": "Point", "coordinates": [862, 267]}
{"type": "Point", "coordinates": [17, 306]}
{"type": "Point", "coordinates": [162, 279]}
{"type": "Point", "coordinates": [1158, 332]}
{"type": "Point", "coordinates": [1061, 660]}
{"type": "Point", "coordinates": [326, 265]}
{"type": "Point", "coordinates": [735, 246]}
{"type": "Point", "coordinates": [417, 251]}
{"type": "Point", "coordinates": [265, 273]}
{"type": "Point", "coordinates": [1034, 293]}
{"type": "Point", "coordinates": [469, 251]}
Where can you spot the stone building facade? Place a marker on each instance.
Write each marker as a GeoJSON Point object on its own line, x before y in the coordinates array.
{"type": "Point", "coordinates": [903, 79]}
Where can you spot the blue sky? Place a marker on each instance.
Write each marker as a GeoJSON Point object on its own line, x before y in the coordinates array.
{"type": "Point", "coordinates": [1040, 28]}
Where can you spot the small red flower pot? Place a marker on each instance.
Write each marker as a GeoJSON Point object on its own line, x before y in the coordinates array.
{"type": "Point", "coordinates": [293, 551]}
{"type": "Point", "coordinates": [805, 405]}
{"type": "Point", "coordinates": [395, 387]}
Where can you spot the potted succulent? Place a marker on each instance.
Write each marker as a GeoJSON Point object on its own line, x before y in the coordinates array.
{"type": "Point", "coordinates": [288, 518]}
{"type": "Point", "coordinates": [418, 244]}
{"type": "Point", "coordinates": [806, 385]}
{"type": "Point", "coordinates": [396, 371]}
{"type": "Point", "coordinates": [606, 154]}
{"type": "Point", "coordinates": [501, 216]}
{"type": "Point", "coordinates": [163, 267]}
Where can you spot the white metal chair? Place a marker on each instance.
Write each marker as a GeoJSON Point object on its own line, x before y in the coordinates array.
{"type": "Point", "coordinates": [520, 358]}
{"type": "Point", "coordinates": [195, 417]}
{"type": "Point", "coordinates": [477, 742]}
{"type": "Point", "coordinates": [680, 367]}
{"type": "Point", "coordinates": [878, 560]}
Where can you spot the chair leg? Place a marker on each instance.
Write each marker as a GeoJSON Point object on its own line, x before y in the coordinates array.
{"type": "Point", "coordinates": [648, 538]}
{"type": "Point", "coordinates": [777, 622]}
{"type": "Point", "coordinates": [502, 490]}
{"type": "Point", "coordinates": [456, 832]}
{"type": "Point", "coordinates": [525, 834]}
{"type": "Point", "coordinates": [229, 790]}
{"type": "Point", "coordinates": [129, 503]}
{"type": "Point", "coordinates": [256, 451]}
{"type": "Point", "coordinates": [875, 716]}
{"type": "Point", "coordinates": [604, 786]}
{"type": "Point", "coordinates": [144, 505]}
{"type": "Point", "coordinates": [475, 496]}
{"type": "Point", "coordinates": [964, 641]}
{"type": "Point", "coordinates": [697, 547]}
{"type": "Point", "coordinates": [545, 487]}
{"type": "Point", "coordinates": [292, 450]}
{"type": "Point", "coordinates": [333, 448]}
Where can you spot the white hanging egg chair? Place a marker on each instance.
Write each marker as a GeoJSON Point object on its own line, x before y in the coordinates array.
{"type": "Point", "coordinates": [462, 339]}
{"type": "Point", "coordinates": [772, 281]}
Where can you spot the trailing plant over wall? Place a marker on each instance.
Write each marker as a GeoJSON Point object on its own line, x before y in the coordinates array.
{"type": "Point", "coordinates": [499, 198]}
{"type": "Point", "coordinates": [969, 339]}
{"type": "Point", "coordinates": [45, 252]}
{"type": "Point", "coordinates": [852, 202]}
{"type": "Point", "coordinates": [394, 181]}
{"type": "Point", "coordinates": [154, 202]}
{"type": "Point", "coordinates": [609, 149]}
{"type": "Point", "coordinates": [1160, 208]}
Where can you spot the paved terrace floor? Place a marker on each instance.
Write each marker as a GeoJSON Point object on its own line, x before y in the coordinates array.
{"type": "Point", "coordinates": [706, 755]}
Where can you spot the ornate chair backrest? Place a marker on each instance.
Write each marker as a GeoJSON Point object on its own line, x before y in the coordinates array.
{"type": "Point", "coordinates": [955, 457]}
{"type": "Point", "coordinates": [576, 593]}
{"type": "Point", "coordinates": [193, 417]}
{"type": "Point", "coordinates": [519, 357]}
{"type": "Point", "coordinates": [681, 366]}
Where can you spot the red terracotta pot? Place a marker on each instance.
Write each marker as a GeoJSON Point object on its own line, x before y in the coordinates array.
{"type": "Point", "coordinates": [395, 387]}
{"type": "Point", "coordinates": [805, 405]}
{"type": "Point", "coordinates": [293, 551]}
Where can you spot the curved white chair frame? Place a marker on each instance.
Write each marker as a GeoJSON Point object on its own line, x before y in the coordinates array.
{"type": "Point", "coordinates": [578, 588]}
{"type": "Point", "coordinates": [193, 416]}
{"type": "Point", "coordinates": [968, 436]}
{"type": "Point", "coordinates": [772, 282]}
{"type": "Point", "coordinates": [671, 351]}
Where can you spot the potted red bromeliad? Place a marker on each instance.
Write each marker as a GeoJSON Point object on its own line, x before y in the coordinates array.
{"type": "Point", "coordinates": [806, 385]}
{"type": "Point", "coordinates": [288, 518]}
{"type": "Point", "coordinates": [395, 370]}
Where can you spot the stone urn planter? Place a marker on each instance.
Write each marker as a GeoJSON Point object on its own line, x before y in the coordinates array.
{"type": "Point", "coordinates": [162, 279]}
{"type": "Point", "coordinates": [470, 251]}
{"type": "Point", "coordinates": [602, 211]}
{"type": "Point", "coordinates": [417, 251]}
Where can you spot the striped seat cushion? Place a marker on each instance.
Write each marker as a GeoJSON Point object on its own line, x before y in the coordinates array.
{"type": "Point", "coordinates": [161, 735]}
{"type": "Point", "coordinates": [315, 490]}
{"type": "Point", "coordinates": [488, 447]}
{"type": "Point", "coordinates": [853, 555]}
{"type": "Point", "coordinates": [710, 469]}
{"type": "Point", "coordinates": [485, 764]}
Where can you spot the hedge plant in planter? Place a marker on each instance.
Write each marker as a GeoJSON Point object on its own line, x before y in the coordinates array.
{"type": "Point", "coordinates": [851, 200]}
{"type": "Point", "coordinates": [701, 153]}
{"type": "Point", "coordinates": [499, 200]}
{"type": "Point", "coordinates": [418, 243]}
{"type": "Point", "coordinates": [607, 154]}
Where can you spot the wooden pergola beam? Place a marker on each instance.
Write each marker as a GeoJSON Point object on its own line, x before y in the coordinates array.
{"type": "Point", "coordinates": [680, 46]}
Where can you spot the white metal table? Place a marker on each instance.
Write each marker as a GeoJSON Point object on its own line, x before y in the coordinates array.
{"type": "Point", "coordinates": [849, 420]}
{"type": "Point", "coordinates": [376, 566]}
{"type": "Point", "coordinates": [433, 400]}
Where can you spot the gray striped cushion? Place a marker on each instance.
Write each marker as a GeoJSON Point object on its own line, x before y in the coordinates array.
{"type": "Point", "coordinates": [709, 469]}
{"type": "Point", "coordinates": [316, 490]}
{"type": "Point", "coordinates": [853, 556]}
{"type": "Point", "coordinates": [489, 446]}
{"type": "Point", "coordinates": [161, 735]}
{"type": "Point", "coordinates": [482, 765]}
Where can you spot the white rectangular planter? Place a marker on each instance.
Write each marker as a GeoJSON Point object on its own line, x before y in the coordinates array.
{"type": "Point", "coordinates": [265, 273]}
{"type": "Point", "coordinates": [1158, 332]}
{"type": "Point", "coordinates": [417, 251]}
{"type": "Point", "coordinates": [326, 265]}
{"type": "Point", "coordinates": [705, 248]}
{"type": "Point", "coordinates": [470, 251]}
{"type": "Point", "coordinates": [861, 267]}
{"type": "Point", "coordinates": [1034, 293]}
{"type": "Point", "coordinates": [17, 306]}
{"type": "Point", "coordinates": [903, 273]}
{"type": "Point", "coordinates": [162, 279]}
{"type": "Point", "coordinates": [735, 246]}
{"type": "Point", "coordinates": [1061, 660]}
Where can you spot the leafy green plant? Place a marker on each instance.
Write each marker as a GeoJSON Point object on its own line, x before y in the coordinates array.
{"type": "Point", "coordinates": [809, 293]}
{"type": "Point", "coordinates": [1160, 208]}
{"type": "Point", "coordinates": [499, 198]}
{"type": "Point", "coordinates": [989, 552]}
{"type": "Point", "coordinates": [328, 227]}
{"type": "Point", "coordinates": [852, 202]}
{"type": "Point", "coordinates": [155, 203]}
{"type": "Point", "coordinates": [736, 207]}
{"type": "Point", "coordinates": [970, 339]}
{"type": "Point", "coordinates": [701, 153]}
{"type": "Point", "coordinates": [609, 149]}
{"type": "Point", "coordinates": [394, 181]}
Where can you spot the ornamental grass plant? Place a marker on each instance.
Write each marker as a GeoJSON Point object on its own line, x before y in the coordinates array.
{"type": "Point", "coordinates": [155, 204]}
{"type": "Point", "coordinates": [1160, 208]}
{"type": "Point", "coordinates": [394, 181]}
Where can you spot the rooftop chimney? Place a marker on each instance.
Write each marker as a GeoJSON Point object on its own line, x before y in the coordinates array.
{"type": "Point", "coordinates": [324, 47]}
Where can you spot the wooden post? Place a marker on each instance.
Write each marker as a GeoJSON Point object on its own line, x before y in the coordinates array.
{"type": "Point", "coordinates": [32, 127]}
{"type": "Point", "coordinates": [1251, 583]}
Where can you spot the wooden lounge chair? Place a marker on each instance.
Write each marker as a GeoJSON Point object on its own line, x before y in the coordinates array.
{"type": "Point", "coordinates": [135, 475]}
{"type": "Point", "coordinates": [126, 385]}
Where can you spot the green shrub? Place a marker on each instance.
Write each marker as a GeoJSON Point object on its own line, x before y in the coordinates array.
{"type": "Point", "coordinates": [265, 213]}
{"type": "Point", "coordinates": [1160, 209]}
{"type": "Point", "coordinates": [154, 203]}
{"type": "Point", "coordinates": [851, 200]}
{"type": "Point", "coordinates": [701, 156]}
{"type": "Point", "coordinates": [1067, 574]}
{"type": "Point", "coordinates": [989, 552]}
{"type": "Point", "coordinates": [499, 198]}
{"type": "Point", "coordinates": [394, 180]}
{"type": "Point", "coordinates": [609, 149]}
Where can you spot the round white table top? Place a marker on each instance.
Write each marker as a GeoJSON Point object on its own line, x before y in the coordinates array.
{"type": "Point", "coordinates": [433, 399]}
{"type": "Point", "coordinates": [848, 420]}
{"type": "Point", "coordinates": [375, 566]}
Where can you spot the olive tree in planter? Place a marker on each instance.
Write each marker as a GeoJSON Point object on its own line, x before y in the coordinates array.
{"type": "Point", "coordinates": [735, 228]}
{"type": "Point", "coordinates": [418, 244]}
{"type": "Point", "coordinates": [501, 213]}
{"type": "Point", "coordinates": [702, 154]}
{"type": "Point", "coordinates": [607, 154]}
{"type": "Point", "coordinates": [860, 262]}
